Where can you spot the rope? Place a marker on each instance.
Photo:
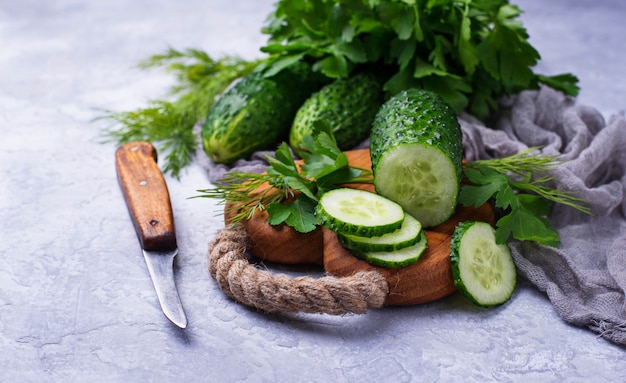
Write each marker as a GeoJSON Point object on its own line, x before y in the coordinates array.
{"type": "Point", "coordinates": [240, 280]}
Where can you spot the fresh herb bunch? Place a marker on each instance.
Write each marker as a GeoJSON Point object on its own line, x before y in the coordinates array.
{"type": "Point", "coordinates": [470, 52]}
{"type": "Point", "coordinates": [290, 194]}
{"type": "Point", "coordinates": [324, 167]}
{"type": "Point", "coordinates": [509, 182]}
{"type": "Point", "coordinates": [170, 123]}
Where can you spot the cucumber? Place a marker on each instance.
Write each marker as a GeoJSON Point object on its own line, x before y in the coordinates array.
{"type": "Point", "coordinates": [256, 113]}
{"type": "Point", "coordinates": [409, 234]}
{"type": "Point", "coordinates": [482, 270]}
{"type": "Point", "coordinates": [358, 212]}
{"type": "Point", "coordinates": [346, 107]}
{"type": "Point", "coordinates": [396, 258]}
{"type": "Point", "coordinates": [416, 151]}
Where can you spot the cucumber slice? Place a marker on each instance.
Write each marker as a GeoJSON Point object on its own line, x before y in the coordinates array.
{"type": "Point", "coordinates": [482, 270]}
{"type": "Point", "coordinates": [398, 258]}
{"type": "Point", "coordinates": [358, 212]}
{"type": "Point", "coordinates": [422, 179]}
{"type": "Point", "coordinates": [409, 234]}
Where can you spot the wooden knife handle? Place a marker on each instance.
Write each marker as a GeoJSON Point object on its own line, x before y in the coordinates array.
{"type": "Point", "coordinates": [146, 195]}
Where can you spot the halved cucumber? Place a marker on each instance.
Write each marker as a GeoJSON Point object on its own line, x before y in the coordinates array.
{"type": "Point", "coordinates": [416, 147]}
{"type": "Point", "coordinates": [358, 212]}
{"type": "Point", "coordinates": [397, 258]}
{"type": "Point", "coordinates": [409, 234]}
{"type": "Point", "coordinates": [482, 270]}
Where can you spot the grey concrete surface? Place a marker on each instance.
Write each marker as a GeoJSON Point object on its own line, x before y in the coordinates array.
{"type": "Point", "coordinates": [76, 301]}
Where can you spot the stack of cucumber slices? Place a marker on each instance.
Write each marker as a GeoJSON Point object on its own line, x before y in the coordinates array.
{"type": "Point", "coordinates": [372, 227]}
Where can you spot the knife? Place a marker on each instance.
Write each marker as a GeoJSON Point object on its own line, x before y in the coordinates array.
{"type": "Point", "coordinates": [148, 202]}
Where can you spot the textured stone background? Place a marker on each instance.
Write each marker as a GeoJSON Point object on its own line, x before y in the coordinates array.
{"type": "Point", "coordinates": [76, 301]}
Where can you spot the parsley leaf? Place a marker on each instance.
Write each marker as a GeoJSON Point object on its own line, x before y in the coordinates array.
{"type": "Point", "coordinates": [299, 214]}
{"type": "Point", "coordinates": [522, 224]}
{"type": "Point", "coordinates": [467, 51]}
{"type": "Point", "coordinates": [484, 188]}
{"type": "Point", "coordinates": [322, 156]}
{"type": "Point", "coordinates": [282, 163]}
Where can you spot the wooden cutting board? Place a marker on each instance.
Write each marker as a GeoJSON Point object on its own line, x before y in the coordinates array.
{"type": "Point", "coordinates": [427, 280]}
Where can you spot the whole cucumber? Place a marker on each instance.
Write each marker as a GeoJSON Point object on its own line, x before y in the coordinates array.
{"type": "Point", "coordinates": [256, 113]}
{"type": "Point", "coordinates": [346, 107]}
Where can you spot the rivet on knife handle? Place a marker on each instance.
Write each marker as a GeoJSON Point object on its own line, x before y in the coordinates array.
{"type": "Point", "coordinates": [146, 195]}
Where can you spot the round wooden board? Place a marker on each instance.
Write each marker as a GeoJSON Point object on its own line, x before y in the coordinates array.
{"type": "Point", "coordinates": [427, 280]}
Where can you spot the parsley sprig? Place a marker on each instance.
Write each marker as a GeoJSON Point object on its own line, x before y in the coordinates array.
{"type": "Point", "coordinates": [324, 167]}
{"type": "Point", "coordinates": [511, 183]}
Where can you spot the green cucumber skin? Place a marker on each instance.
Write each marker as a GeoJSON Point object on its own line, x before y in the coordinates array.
{"type": "Point", "coordinates": [363, 247]}
{"type": "Point", "coordinates": [416, 116]}
{"type": "Point", "coordinates": [338, 226]}
{"type": "Point", "coordinates": [256, 113]}
{"type": "Point", "coordinates": [346, 106]}
{"type": "Point", "coordinates": [374, 258]}
{"type": "Point", "coordinates": [362, 229]}
{"type": "Point", "coordinates": [455, 245]}
{"type": "Point", "coordinates": [367, 245]}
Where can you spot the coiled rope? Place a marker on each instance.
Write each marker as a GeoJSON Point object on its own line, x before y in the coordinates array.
{"type": "Point", "coordinates": [280, 293]}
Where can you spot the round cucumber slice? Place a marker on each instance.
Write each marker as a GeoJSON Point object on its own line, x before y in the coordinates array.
{"type": "Point", "coordinates": [422, 179]}
{"type": "Point", "coordinates": [409, 234]}
{"type": "Point", "coordinates": [358, 212]}
{"type": "Point", "coordinates": [482, 270]}
{"type": "Point", "coordinates": [397, 258]}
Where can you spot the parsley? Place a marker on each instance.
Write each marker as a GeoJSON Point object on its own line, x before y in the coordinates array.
{"type": "Point", "coordinates": [470, 52]}
{"type": "Point", "coordinates": [526, 200]}
{"type": "Point", "coordinates": [287, 191]}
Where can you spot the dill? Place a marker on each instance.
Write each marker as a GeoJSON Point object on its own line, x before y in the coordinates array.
{"type": "Point", "coordinates": [169, 123]}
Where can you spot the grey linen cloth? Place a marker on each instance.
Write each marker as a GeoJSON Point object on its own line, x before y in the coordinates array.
{"type": "Point", "coordinates": [585, 277]}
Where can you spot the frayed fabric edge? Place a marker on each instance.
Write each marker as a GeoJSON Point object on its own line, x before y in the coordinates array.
{"type": "Point", "coordinates": [615, 332]}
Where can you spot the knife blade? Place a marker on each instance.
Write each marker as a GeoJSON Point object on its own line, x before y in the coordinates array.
{"type": "Point", "coordinates": [148, 202]}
